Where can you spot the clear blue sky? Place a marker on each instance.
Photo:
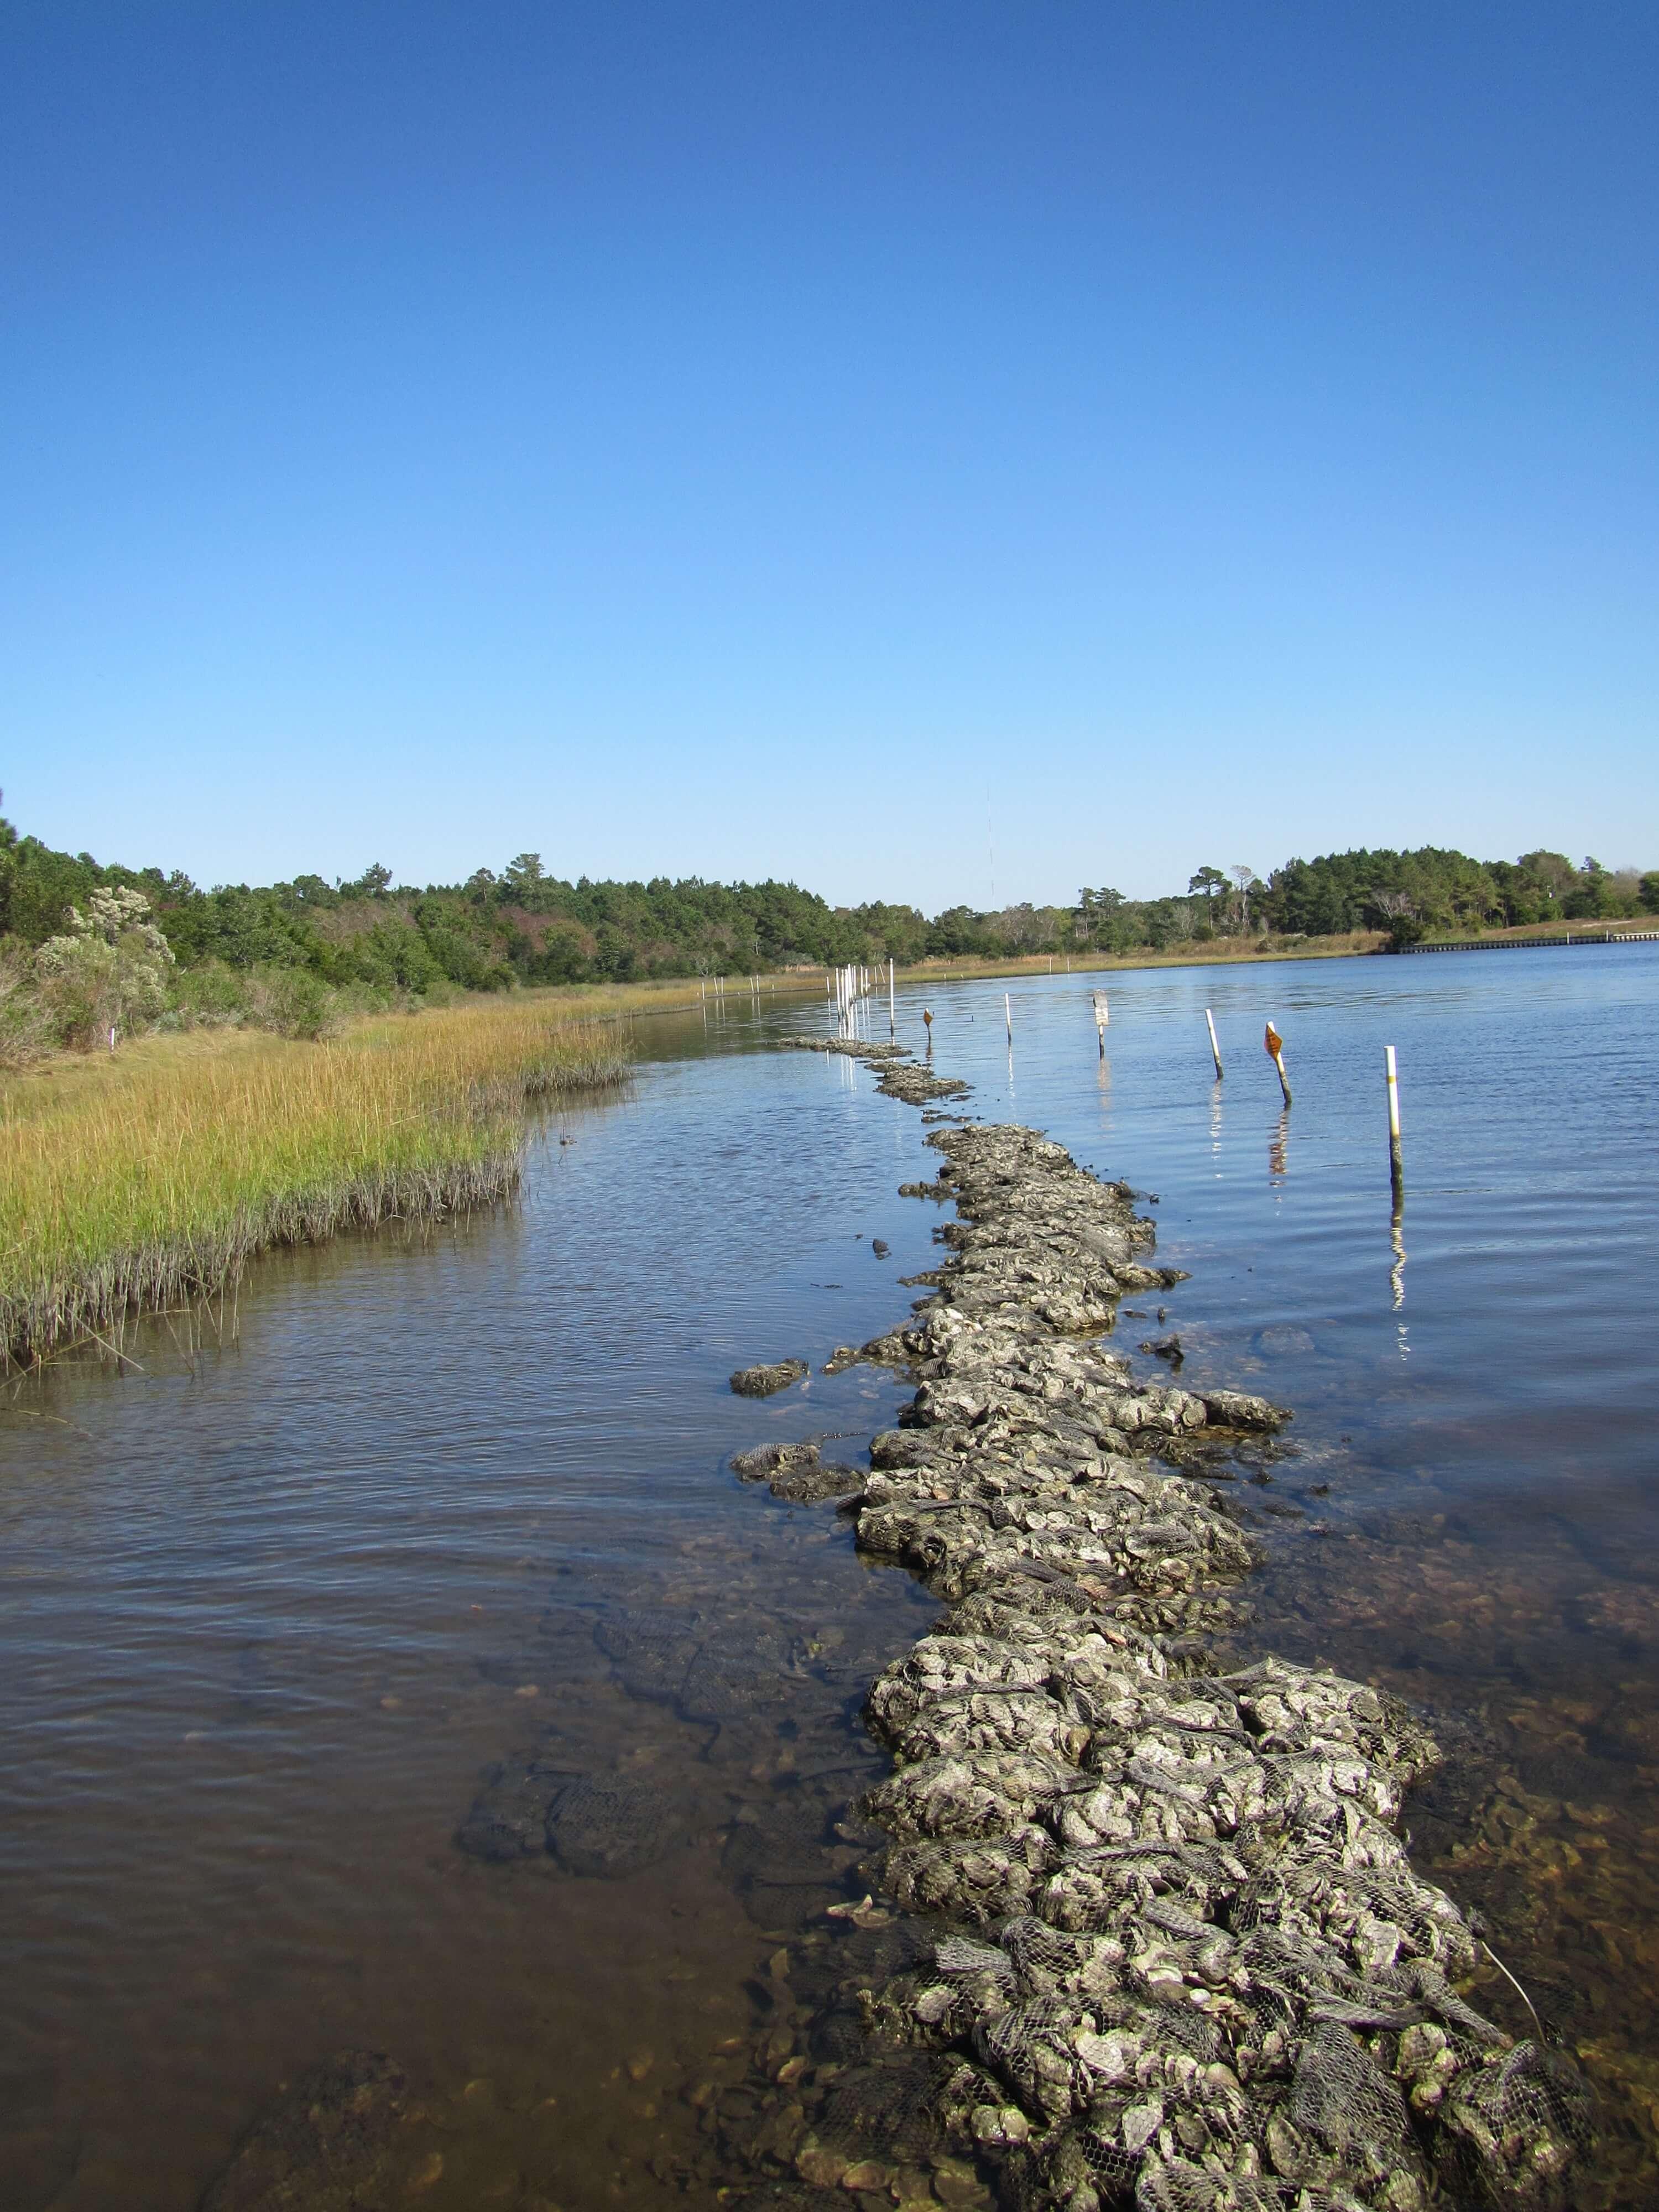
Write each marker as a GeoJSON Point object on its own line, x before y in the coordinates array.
{"type": "Point", "coordinates": [723, 439]}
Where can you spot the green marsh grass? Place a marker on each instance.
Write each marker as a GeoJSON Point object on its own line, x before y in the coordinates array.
{"type": "Point", "coordinates": [155, 1175]}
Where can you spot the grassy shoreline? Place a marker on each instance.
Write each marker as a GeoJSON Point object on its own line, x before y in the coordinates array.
{"type": "Point", "coordinates": [133, 1182]}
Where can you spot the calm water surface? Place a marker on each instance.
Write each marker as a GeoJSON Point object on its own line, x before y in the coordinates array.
{"type": "Point", "coordinates": [271, 1608]}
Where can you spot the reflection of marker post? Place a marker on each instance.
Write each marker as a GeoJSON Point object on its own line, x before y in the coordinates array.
{"type": "Point", "coordinates": [1008, 1016]}
{"type": "Point", "coordinates": [1275, 1045]}
{"type": "Point", "coordinates": [1397, 1158]}
{"type": "Point", "coordinates": [1102, 1015]}
{"type": "Point", "coordinates": [1215, 1049]}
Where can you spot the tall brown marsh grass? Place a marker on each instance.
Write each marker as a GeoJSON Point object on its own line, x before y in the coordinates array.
{"type": "Point", "coordinates": [156, 1175]}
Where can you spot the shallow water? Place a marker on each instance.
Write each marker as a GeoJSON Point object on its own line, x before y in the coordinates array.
{"type": "Point", "coordinates": [274, 1604]}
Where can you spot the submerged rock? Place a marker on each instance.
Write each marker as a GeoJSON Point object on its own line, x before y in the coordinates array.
{"type": "Point", "coordinates": [810, 1486]}
{"type": "Point", "coordinates": [328, 2144]}
{"type": "Point", "coordinates": [797, 1473]}
{"type": "Point", "coordinates": [507, 1818]}
{"type": "Point", "coordinates": [768, 1460]}
{"type": "Point", "coordinates": [608, 1826]}
{"type": "Point", "coordinates": [650, 1650]}
{"type": "Point", "coordinates": [763, 1381]}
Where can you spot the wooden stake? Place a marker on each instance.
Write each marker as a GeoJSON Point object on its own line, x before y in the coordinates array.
{"type": "Point", "coordinates": [1396, 1158]}
{"type": "Point", "coordinates": [1275, 1045]}
{"type": "Point", "coordinates": [1215, 1049]}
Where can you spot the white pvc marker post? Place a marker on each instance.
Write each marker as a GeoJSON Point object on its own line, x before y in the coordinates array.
{"type": "Point", "coordinates": [1215, 1049]}
{"type": "Point", "coordinates": [1008, 1016]}
{"type": "Point", "coordinates": [892, 1016]}
{"type": "Point", "coordinates": [1103, 1017]}
{"type": "Point", "coordinates": [1396, 1158]}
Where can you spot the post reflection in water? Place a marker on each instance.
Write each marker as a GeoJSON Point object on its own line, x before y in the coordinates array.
{"type": "Point", "coordinates": [1278, 1148]}
{"type": "Point", "coordinates": [1397, 1272]}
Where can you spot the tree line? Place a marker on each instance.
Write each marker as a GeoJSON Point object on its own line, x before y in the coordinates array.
{"type": "Point", "coordinates": [237, 948]}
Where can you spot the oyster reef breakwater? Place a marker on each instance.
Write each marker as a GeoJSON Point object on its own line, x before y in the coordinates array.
{"type": "Point", "coordinates": [1177, 1954]}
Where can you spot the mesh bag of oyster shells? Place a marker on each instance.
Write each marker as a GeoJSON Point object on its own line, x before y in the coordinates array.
{"type": "Point", "coordinates": [1182, 2187]}
{"type": "Point", "coordinates": [1343, 2113]}
{"type": "Point", "coordinates": [886, 2110]}
{"type": "Point", "coordinates": [1113, 2167]}
{"type": "Point", "coordinates": [1513, 2129]}
{"type": "Point", "coordinates": [1030, 2047]}
{"type": "Point", "coordinates": [1031, 1944]}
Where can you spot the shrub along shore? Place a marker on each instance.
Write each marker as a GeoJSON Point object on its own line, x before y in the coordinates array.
{"type": "Point", "coordinates": [151, 1177]}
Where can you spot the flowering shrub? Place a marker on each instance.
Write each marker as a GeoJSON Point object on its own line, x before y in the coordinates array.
{"type": "Point", "coordinates": [109, 970]}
